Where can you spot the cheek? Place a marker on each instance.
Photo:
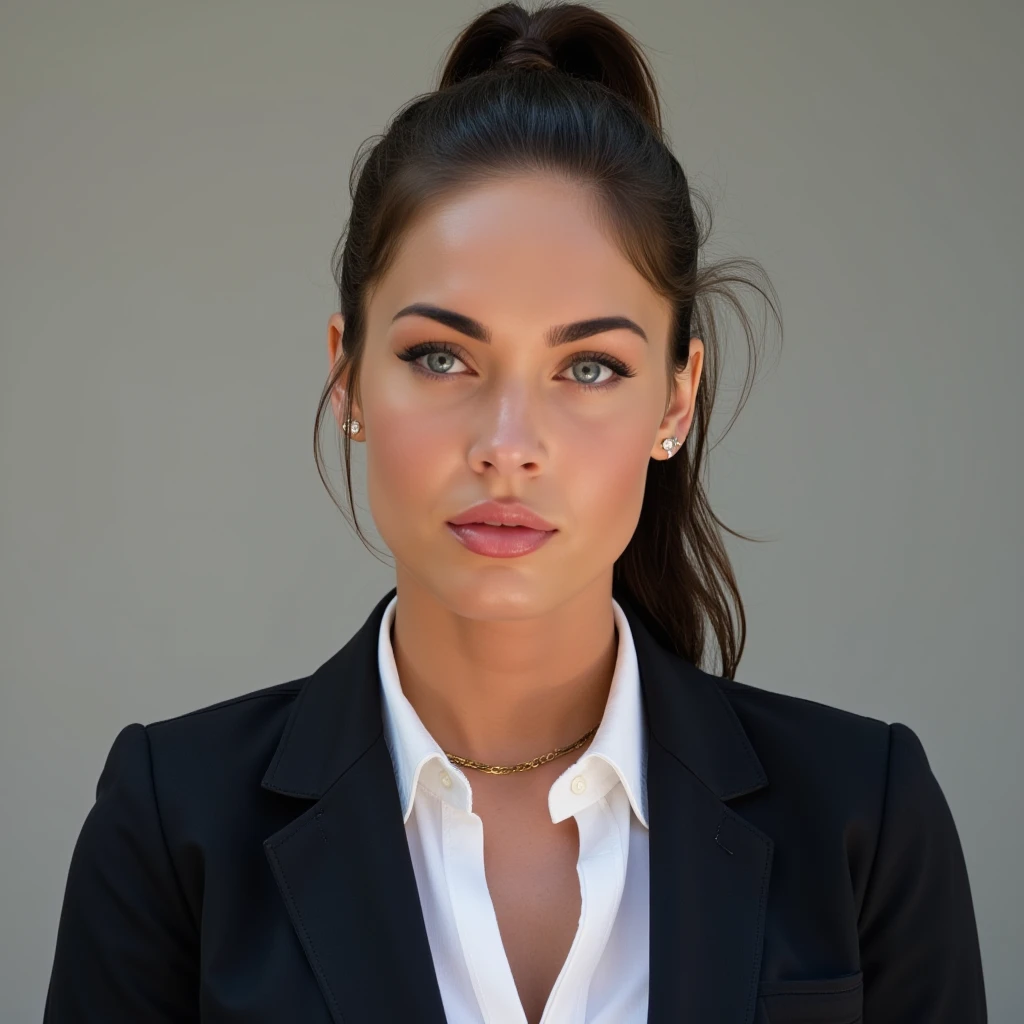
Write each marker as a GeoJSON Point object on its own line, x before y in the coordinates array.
{"type": "Point", "coordinates": [409, 466]}
{"type": "Point", "coordinates": [398, 456]}
{"type": "Point", "coordinates": [605, 483]}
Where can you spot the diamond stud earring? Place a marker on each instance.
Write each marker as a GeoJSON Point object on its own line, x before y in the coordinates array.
{"type": "Point", "coordinates": [670, 444]}
{"type": "Point", "coordinates": [352, 426]}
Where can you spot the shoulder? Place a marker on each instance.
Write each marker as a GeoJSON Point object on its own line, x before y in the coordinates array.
{"type": "Point", "coordinates": [804, 727]}
{"type": "Point", "coordinates": [207, 755]}
{"type": "Point", "coordinates": [840, 769]}
{"type": "Point", "coordinates": [247, 716]}
{"type": "Point", "coordinates": [230, 713]}
{"type": "Point", "coordinates": [815, 755]}
{"type": "Point", "coordinates": [842, 780]}
{"type": "Point", "coordinates": [808, 734]}
{"type": "Point", "coordinates": [187, 788]}
{"type": "Point", "coordinates": [864, 836]}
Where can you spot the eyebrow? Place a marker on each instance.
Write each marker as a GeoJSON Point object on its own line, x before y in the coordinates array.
{"type": "Point", "coordinates": [560, 334]}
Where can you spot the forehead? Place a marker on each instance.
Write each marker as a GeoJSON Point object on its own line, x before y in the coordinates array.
{"type": "Point", "coordinates": [525, 249]}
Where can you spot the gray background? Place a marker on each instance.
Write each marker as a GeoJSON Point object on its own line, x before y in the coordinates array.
{"type": "Point", "coordinates": [173, 181]}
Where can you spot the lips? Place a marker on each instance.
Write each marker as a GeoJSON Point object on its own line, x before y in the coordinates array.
{"type": "Point", "coordinates": [502, 514]}
{"type": "Point", "coordinates": [500, 541]}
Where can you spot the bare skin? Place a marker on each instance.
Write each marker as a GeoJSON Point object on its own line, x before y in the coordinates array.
{"type": "Point", "coordinates": [531, 874]}
{"type": "Point", "coordinates": [505, 659]}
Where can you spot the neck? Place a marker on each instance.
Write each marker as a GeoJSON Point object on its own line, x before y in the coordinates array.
{"type": "Point", "coordinates": [505, 690]}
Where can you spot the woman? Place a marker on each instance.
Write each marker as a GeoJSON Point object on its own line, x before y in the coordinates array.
{"type": "Point", "coordinates": [513, 795]}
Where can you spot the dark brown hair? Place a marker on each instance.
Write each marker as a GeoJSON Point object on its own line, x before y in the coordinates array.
{"type": "Point", "coordinates": [563, 89]}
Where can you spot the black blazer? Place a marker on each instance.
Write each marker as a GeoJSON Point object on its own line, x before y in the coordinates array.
{"type": "Point", "coordinates": [247, 862]}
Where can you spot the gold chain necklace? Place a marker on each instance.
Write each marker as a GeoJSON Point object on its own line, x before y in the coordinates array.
{"type": "Point", "coordinates": [507, 769]}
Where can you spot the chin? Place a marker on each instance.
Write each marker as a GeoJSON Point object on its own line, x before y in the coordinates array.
{"type": "Point", "coordinates": [493, 592]}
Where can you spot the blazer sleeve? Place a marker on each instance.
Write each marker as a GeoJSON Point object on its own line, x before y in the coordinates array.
{"type": "Point", "coordinates": [919, 940]}
{"type": "Point", "coordinates": [127, 944]}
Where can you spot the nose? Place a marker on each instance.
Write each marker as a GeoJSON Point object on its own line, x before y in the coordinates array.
{"type": "Point", "coordinates": [509, 439]}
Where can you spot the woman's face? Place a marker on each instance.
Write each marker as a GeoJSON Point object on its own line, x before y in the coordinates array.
{"type": "Point", "coordinates": [505, 414]}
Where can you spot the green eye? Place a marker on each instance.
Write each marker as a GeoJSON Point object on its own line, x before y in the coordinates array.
{"type": "Point", "coordinates": [428, 348]}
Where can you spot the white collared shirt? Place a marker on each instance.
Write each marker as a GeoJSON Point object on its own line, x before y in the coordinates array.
{"type": "Point", "coordinates": [604, 979]}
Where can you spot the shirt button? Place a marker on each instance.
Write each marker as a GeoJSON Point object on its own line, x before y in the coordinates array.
{"type": "Point", "coordinates": [578, 785]}
{"type": "Point", "coordinates": [446, 780]}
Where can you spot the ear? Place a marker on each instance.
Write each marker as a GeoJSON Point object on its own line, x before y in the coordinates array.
{"type": "Point", "coordinates": [682, 401]}
{"type": "Point", "coordinates": [335, 330]}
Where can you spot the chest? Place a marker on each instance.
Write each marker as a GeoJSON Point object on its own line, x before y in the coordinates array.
{"type": "Point", "coordinates": [531, 871]}
{"type": "Point", "coordinates": [526, 915]}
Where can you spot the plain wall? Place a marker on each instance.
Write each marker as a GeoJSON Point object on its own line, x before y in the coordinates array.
{"type": "Point", "coordinates": [174, 179]}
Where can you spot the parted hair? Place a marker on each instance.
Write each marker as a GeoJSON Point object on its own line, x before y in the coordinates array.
{"type": "Point", "coordinates": [564, 89]}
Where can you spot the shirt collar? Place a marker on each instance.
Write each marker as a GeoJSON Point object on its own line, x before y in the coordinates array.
{"type": "Point", "coordinates": [616, 754]}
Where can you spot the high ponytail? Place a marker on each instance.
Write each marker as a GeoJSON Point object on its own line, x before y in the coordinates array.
{"type": "Point", "coordinates": [564, 88]}
{"type": "Point", "coordinates": [572, 38]}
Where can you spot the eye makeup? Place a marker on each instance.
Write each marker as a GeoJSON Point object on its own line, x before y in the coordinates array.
{"type": "Point", "coordinates": [620, 369]}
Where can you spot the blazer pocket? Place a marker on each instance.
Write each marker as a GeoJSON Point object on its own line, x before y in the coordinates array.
{"type": "Point", "coordinates": [837, 1000]}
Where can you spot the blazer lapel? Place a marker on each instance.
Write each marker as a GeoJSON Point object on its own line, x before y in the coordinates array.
{"type": "Point", "coordinates": [345, 874]}
{"type": "Point", "coordinates": [709, 867]}
{"type": "Point", "coordinates": [343, 865]}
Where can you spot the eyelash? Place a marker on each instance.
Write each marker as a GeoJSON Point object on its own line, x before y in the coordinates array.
{"type": "Point", "coordinates": [414, 352]}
